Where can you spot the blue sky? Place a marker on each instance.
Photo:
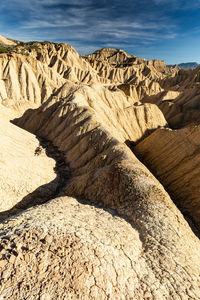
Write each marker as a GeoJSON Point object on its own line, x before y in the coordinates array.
{"type": "Point", "coordinates": [162, 29]}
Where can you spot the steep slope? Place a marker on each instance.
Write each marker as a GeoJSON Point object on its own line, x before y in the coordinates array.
{"type": "Point", "coordinates": [92, 69]}
{"type": "Point", "coordinates": [179, 101]}
{"type": "Point", "coordinates": [183, 110]}
{"type": "Point", "coordinates": [117, 66]}
{"type": "Point", "coordinates": [118, 113]}
{"type": "Point", "coordinates": [25, 82]}
{"type": "Point", "coordinates": [64, 60]}
{"type": "Point", "coordinates": [174, 157]}
{"type": "Point", "coordinates": [31, 72]}
{"type": "Point", "coordinates": [128, 66]}
{"type": "Point", "coordinates": [27, 175]}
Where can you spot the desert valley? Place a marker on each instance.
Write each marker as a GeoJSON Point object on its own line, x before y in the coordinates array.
{"type": "Point", "coordinates": [99, 175]}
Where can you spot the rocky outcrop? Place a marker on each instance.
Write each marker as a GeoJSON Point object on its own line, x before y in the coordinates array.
{"type": "Point", "coordinates": [183, 79]}
{"type": "Point", "coordinates": [64, 60]}
{"type": "Point", "coordinates": [31, 72]}
{"type": "Point", "coordinates": [173, 156]}
{"type": "Point", "coordinates": [141, 90]}
{"type": "Point", "coordinates": [180, 108]}
{"type": "Point", "coordinates": [117, 66]}
{"type": "Point", "coordinates": [120, 59]}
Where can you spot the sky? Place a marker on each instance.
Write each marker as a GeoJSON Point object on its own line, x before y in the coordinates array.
{"type": "Point", "coordinates": [168, 30]}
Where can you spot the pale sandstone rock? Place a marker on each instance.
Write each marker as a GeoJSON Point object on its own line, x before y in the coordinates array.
{"type": "Point", "coordinates": [174, 157]}
{"type": "Point", "coordinates": [137, 245]}
{"type": "Point", "coordinates": [64, 60]}
{"type": "Point", "coordinates": [72, 250]}
{"type": "Point", "coordinates": [30, 75]}
{"type": "Point", "coordinates": [23, 170]}
{"type": "Point", "coordinates": [25, 82]}
{"type": "Point", "coordinates": [104, 171]}
{"type": "Point", "coordinates": [75, 105]}
{"type": "Point", "coordinates": [116, 64]}
{"type": "Point", "coordinates": [179, 101]}
{"type": "Point", "coordinates": [180, 108]}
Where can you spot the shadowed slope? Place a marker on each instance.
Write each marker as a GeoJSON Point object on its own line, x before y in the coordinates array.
{"type": "Point", "coordinates": [25, 169]}
{"type": "Point", "coordinates": [174, 157]}
{"type": "Point", "coordinates": [179, 99]}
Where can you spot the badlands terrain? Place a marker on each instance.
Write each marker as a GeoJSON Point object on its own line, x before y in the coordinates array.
{"type": "Point", "coordinates": [99, 175]}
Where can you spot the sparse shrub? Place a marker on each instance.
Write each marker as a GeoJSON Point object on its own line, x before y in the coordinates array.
{"type": "Point", "coordinates": [3, 50]}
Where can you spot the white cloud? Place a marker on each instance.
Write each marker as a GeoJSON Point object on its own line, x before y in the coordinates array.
{"type": "Point", "coordinates": [80, 23]}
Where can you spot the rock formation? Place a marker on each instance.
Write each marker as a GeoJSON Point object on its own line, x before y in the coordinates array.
{"type": "Point", "coordinates": [33, 71]}
{"type": "Point", "coordinates": [174, 157]}
{"type": "Point", "coordinates": [25, 82]}
{"type": "Point", "coordinates": [179, 99]}
{"type": "Point", "coordinates": [94, 223]}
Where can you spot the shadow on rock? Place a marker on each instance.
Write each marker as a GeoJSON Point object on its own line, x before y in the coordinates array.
{"type": "Point", "coordinates": [47, 191]}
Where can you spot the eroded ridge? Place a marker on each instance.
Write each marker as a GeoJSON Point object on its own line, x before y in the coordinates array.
{"type": "Point", "coordinates": [86, 252]}
{"type": "Point", "coordinates": [105, 172]}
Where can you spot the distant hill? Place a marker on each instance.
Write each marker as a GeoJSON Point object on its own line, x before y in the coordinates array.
{"type": "Point", "coordinates": [189, 65]}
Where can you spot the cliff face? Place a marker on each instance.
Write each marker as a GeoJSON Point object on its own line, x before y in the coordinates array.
{"type": "Point", "coordinates": [110, 228]}
{"type": "Point", "coordinates": [26, 82]}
